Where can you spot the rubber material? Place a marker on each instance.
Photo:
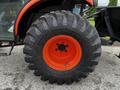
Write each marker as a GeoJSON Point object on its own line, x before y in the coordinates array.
{"type": "Point", "coordinates": [62, 23]}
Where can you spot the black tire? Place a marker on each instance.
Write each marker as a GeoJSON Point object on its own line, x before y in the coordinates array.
{"type": "Point", "coordinates": [65, 23]}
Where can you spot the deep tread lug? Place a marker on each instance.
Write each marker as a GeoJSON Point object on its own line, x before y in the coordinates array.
{"type": "Point", "coordinates": [37, 73]}
{"type": "Point", "coordinates": [31, 67]}
{"type": "Point", "coordinates": [44, 78]}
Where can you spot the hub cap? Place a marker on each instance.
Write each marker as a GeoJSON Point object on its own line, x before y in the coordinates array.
{"type": "Point", "coordinates": [62, 52]}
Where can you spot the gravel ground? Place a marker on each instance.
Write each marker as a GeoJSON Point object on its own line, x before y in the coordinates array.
{"type": "Point", "coordinates": [14, 74]}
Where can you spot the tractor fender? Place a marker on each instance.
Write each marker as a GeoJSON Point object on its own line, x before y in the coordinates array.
{"type": "Point", "coordinates": [30, 9]}
{"type": "Point", "coordinates": [90, 2]}
{"type": "Point", "coordinates": [22, 12]}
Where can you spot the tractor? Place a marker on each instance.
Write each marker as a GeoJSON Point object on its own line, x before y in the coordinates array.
{"type": "Point", "coordinates": [60, 44]}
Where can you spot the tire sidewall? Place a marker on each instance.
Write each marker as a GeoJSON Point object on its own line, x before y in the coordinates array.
{"type": "Point", "coordinates": [65, 30]}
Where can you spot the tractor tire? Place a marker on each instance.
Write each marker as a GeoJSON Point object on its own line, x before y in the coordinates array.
{"type": "Point", "coordinates": [62, 47]}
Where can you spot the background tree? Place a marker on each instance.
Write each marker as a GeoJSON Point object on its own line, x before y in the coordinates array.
{"type": "Point", "coordinates": [113, 3]}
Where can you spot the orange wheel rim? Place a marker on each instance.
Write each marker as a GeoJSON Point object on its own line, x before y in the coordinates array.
{"type": "Point", "coordinates": [62, 52]}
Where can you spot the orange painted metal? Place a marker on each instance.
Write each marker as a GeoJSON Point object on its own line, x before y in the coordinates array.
{"type": "Point", "coordinates": [23, 11]}
{"type": "Point", "coordinates": [90, 2]}
{"type": "Point", "coordinates": [62, 58]}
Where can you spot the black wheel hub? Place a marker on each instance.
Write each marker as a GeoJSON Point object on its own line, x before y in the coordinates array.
{"type": "Point", "coordinates": [62, 47]}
